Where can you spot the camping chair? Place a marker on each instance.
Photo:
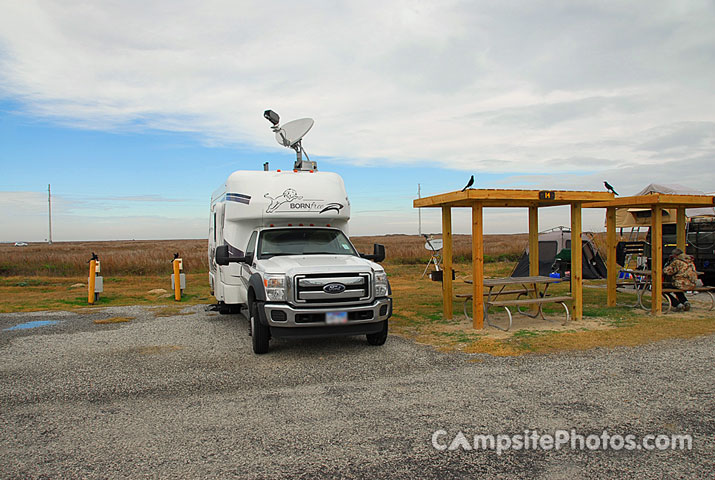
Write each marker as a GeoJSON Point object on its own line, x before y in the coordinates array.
{"type": "Point", "coordinates": [562, 263]}
{"type": "Point", "coordinates": [435, 246]}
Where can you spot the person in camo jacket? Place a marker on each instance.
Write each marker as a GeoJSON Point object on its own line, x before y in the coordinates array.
{"type": "Point", "coordinates": [682, 269]}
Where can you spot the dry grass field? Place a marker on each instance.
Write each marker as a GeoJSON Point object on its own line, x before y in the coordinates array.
{"type": "Point", "coordinates": [153, 257]}
{"type": "Point", "coordinates": [410, 249]}
{"type": "Point", "coordinates": [125, 257]}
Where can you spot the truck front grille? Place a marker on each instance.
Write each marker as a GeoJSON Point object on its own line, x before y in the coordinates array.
{"type": "Point", "coordinates": [347, 288]}
{"type": "Point", "coordinates": [320, 317]}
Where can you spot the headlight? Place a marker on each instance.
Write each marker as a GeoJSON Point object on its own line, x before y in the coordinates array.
{"type": "Point", "coordinates": [275, 288]}
{"type": "Point", "coordinates": [380, 284]}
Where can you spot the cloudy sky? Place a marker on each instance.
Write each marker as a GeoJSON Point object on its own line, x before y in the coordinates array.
{"type": "Point", "coordinates": [136, 111]}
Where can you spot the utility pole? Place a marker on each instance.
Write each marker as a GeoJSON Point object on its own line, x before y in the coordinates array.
{"type": "Point", "coordinates": [49, 206]}
{"type": "Point", "coordinates": [419, 210]}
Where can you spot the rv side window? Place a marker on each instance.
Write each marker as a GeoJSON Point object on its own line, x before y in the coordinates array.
{"type": "Point", "coordinates": [251, 244]}
{"type": "Point", "coordinates": [214, 227]}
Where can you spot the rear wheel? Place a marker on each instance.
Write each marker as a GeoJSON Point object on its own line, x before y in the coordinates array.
{"type": "Point", "coordinates": [260, 334]}
{"type": "Point", "coordinates": [380, 337]}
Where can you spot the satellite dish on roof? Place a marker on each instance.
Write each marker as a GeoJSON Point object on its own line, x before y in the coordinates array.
{"type": "Point", "coordinates": [291, 133]}
{"type": "Point", "coordinates": [434, 245]}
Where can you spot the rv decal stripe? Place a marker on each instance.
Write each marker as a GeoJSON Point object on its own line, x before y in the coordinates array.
{"type": "Point", "coordinates": [238, 197]}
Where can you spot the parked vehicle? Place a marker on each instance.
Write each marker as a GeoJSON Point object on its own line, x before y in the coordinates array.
{"type": "Point", "coordinates": [279, 247]}
{"type": "Point", "coordinates": [21, 244]}
{"type": "Point", "coordinates": [700, 245]}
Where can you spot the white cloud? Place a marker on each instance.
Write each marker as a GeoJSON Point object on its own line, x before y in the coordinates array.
{"type": "Point", "coordinates": [560, 95]}
{"type": "Point", "coordinates": [507, 87]}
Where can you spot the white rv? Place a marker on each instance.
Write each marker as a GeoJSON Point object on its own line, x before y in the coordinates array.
{"type": "Point", "coordinates": [279, 247]}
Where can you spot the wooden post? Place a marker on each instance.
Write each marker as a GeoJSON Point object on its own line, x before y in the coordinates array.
{"type": "Point", "coordinates": [680, 228]}
{"type": "Point", "coordinates": [611, 265]}
{"type": "Point", "coordinates": [447, 262]}
{"type": "Point", "coordinates": [656, 242]}
{"type": "Point", "coordinates": [534, 248]}
{"type": "Point", "coordinates": [477, 267]}
{"type": "Point", "coordinates": [576, 261]}
{"type": "Point", "coordinates": [533, 240]}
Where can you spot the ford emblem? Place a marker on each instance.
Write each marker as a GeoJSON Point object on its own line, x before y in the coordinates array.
{"type": "Point", "coordinates": [334, 288]}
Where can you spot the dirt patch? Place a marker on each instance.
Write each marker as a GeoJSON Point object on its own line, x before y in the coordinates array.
{"type": "Point", "coordinates": [107, 321]}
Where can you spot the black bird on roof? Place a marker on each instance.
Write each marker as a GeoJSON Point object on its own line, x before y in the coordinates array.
{"type": "Point", "coordinates": [610, 188]}
{"type": "Point", "coordinates": [469, 183]}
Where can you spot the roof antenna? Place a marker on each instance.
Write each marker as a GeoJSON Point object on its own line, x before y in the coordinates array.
{"type": "Point", "coordinates": [290, 135]}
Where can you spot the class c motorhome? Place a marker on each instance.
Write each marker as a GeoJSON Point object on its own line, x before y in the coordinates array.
{"type": "Point", "coordinates": [279, 247]}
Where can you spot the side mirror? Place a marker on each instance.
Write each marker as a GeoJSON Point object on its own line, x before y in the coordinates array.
{"type": "Point", "coordinates": [222, 257]}
{"type": "Point", "coordinates": [378, 253]}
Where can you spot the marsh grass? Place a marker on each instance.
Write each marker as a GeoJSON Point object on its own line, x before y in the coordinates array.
{"type": "Point", "coordinates": [153, 257]}
{"type": "Point", "coordinates": [129, 257]}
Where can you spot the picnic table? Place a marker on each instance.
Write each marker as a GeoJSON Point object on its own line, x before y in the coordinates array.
{"type": "Point", "coordinates": [530, 292]}
{"type": "Point", "coordinates": [642, 280]}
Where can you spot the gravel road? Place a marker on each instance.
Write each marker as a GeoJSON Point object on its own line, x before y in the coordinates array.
{"type": "Point", "coordinates": [184, 397]}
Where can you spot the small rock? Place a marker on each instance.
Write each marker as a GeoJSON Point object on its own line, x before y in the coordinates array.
{"type": "Point", "coordinates": [156, 291]}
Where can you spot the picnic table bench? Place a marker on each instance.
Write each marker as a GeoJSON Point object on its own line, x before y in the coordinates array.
{"type": "Point", "coordinates": [641, 280]}
{"type": "Point", "coordinates": [497, 288]}
{"type": "Point", "coordinates": [708, 290]}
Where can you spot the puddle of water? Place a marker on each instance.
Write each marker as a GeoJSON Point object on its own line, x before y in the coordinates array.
{"type": "Point", "coordinates": [33, 324]}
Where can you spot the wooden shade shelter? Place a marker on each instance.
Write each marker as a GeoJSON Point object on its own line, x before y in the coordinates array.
{"type": "Point", "coordinates": [477, 199]}
{"type": "Point", "coordinates": [656, 202]}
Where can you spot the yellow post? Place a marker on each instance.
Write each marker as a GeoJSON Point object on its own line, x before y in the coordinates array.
{"type": "Point", "coordinates": [90, 283]}
{"type": "Point", "coordinates": [177, 280]}
{"type": "Point", "coordinates": [477, 267]}
{"type": "Point", "coordinates": [447, 262]}
{"type": "Point", "coordinates": [534, 247]}
{"type": "Point", "coordinates": [576, 261]}
{"type": "Point", "coordinates": [611, 265]}
{"type": "Point", "coordinates": [680, 228]}
{"type": "Point", "coordinates": [534, 241]}
{"type": "Point", "coordinates": [656, 241]}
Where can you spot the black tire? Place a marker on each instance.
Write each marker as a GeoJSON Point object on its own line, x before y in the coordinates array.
{"type": "Point", "coordinates": [260, 334]}
{"type": "Point", "coordinates": [228, 309]}
{"type": "Point", "coordinates": [378, 338]}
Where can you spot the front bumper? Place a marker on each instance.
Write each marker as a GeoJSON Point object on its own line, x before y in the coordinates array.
{"type": "Point", "coordinates": [285, 316]}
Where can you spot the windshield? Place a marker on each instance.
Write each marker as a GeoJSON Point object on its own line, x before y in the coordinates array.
{"type": "Point", "coordinates": [304, 241]}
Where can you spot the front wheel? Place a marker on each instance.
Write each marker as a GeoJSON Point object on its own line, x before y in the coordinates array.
{"type": "Point", "coordinates": [260, 334]}
{"type": "Point", "coordinates": [380, 337]}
